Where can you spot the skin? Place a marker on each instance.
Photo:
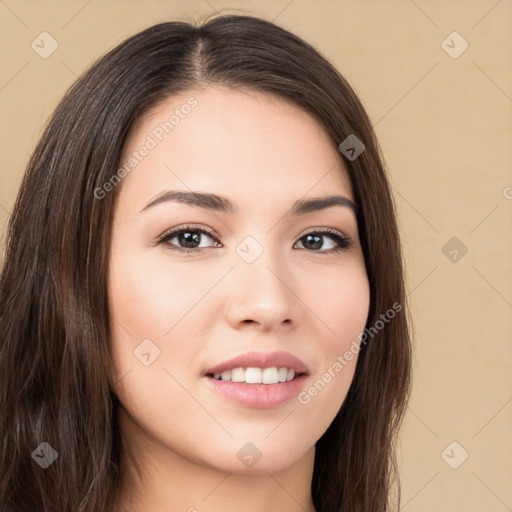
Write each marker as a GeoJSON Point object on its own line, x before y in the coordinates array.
{"type": "Point", "coordinates": [202, 308]}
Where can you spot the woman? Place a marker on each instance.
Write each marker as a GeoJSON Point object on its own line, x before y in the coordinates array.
{"type": "Point", "coordinates": [202, 304]}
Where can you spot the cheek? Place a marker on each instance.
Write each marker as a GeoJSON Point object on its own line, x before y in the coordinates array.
{"type": "Point", "coordinates": [163, 302]}
{"type": "Point", "coordinates": [341, 300]}
{"type": "Point", "coordinates": [342, 305]}
{"type": "Point", "coordinates": [149, 297]}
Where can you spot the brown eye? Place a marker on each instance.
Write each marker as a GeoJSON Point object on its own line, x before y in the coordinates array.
{"type": "Point", "coordinates": [315, 241]}
{"type": "Point", "coordinates": [188, 239]}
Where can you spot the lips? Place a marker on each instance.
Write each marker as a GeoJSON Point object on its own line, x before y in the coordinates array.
{"type": "Point", "coordinates": [261, 360]}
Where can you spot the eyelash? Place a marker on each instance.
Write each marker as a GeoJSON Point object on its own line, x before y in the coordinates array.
{"type": "Point", "coordinates": [342, 240]}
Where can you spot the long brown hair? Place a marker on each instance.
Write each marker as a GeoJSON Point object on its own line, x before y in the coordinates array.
{"type": "Point", "coordinates": [55, 358]}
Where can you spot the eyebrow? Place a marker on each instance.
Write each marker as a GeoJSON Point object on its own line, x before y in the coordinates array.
{"type": "Point", "coordinates": [222, 204]}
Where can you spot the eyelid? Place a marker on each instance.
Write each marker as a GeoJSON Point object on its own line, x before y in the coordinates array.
{"type": "Point", "coordinates": [211, 232]}
{"type": "Point", "coordinates": [198, 227]}
{"type": "Point", "coordinates": [324, 230]}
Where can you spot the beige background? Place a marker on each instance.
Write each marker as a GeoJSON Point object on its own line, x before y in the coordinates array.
{"type": "Point", "coordinates": [445, 126]}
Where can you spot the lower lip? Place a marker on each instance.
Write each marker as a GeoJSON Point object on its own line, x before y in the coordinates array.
{"type": "Point", "coordinates": [261, 396]}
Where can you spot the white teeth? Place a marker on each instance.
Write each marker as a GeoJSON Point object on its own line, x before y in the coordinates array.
{"type": "Point", "coordinates": [251, 375]}
{"type": "Point", "coordinates": [269, 376]}
{"type": "Point", "coordinates": [282, 374]}
{"type": "Point", "coordinates": [237, 375]}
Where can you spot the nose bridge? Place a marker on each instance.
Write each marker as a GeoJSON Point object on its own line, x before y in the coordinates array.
{"type": "Point", "coordinates": [262, 290]}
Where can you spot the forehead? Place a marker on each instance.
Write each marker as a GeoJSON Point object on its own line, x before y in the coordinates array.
{"type": "Point", "coordinates": [243, 143]}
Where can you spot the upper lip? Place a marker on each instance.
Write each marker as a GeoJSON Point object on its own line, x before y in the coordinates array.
{"type": "Point", "coordinates": [261, 360]}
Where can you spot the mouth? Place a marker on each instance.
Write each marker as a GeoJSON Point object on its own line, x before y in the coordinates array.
{"type": "Point", "coordinates": [270, 367]}
{"type": "Point", "coordinates": [258, 380]}
{"type": "Point", "coordinates": [254, 375]}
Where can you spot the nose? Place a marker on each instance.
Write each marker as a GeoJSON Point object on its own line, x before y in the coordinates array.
{"type": "Point", "coordinates": [262, 296]}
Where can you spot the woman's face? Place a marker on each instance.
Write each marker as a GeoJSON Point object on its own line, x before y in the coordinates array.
{"type": "Point", "coordinates": [253, 280]}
